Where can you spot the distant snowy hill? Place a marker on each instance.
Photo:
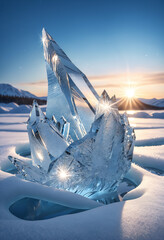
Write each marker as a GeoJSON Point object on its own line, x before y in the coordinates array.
{"type": "Point", "coordinates": [9, 94]}
{"type": "Point", "coordinates": [9, 90]}
{"type": "Point", "coordinates": [153, 101]}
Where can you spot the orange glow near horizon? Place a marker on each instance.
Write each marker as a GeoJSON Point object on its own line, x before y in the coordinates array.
{"type": "Point", "coordinates": [148, 85]}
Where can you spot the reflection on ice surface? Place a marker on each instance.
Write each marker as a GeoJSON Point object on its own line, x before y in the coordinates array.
{"type": "Point", "coordinates": [35, 209]}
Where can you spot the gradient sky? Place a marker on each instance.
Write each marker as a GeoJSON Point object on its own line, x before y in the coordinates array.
{"type": "Point", "coordinates": [115, 43]}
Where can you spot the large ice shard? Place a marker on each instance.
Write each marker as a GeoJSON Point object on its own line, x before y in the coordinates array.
{"type": "Point", "coordinates": [70, 94]}
{"type": "Point", "coordinates": [95, 165]}
{"type": "Point", "coordinates": [83, 144]}
{"type": "Point", "coordinates": [46, 141]}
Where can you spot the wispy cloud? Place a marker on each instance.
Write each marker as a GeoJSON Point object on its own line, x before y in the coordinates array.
{"type": "Point", "coordinates": [123, 80]}
{"type": "Point", "coordinates": [38, 83]}
{"type": "Point", "coordinates": [155, 78]}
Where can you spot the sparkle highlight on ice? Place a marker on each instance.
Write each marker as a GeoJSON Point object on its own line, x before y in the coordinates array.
{"type": "Point", "coordinates": [63, 174]}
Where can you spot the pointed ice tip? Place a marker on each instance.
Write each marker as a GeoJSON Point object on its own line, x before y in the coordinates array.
{"type": "Point", "coordinates": [43, 30]}
{"type": "Point", "coordinates": [34, 102]}
{"type": "Point", "coordinates": [46, 36]}
{"type": "Point", "coordinates": [105, 95]}
{"type": "Point", "coordinates": [43, 33]}
{"type": "Point", "coordinates": [113, 98]}
{"type": "Point", "coordinates": [35, 113]}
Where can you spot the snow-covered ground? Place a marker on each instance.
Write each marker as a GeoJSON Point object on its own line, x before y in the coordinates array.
{"type": "Point", "coordinates": [13, 108]}
{"type": "Point", "coordinates": [146, 114]}
{"type": "Point", "coordinates": [139, 216]}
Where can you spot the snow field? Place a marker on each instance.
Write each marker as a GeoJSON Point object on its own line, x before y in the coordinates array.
{"type": "Point", "coordinates": [139, 216]}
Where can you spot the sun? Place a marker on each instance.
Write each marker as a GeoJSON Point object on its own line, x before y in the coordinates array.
{"type": "Point", "coordinates": [130, 92]}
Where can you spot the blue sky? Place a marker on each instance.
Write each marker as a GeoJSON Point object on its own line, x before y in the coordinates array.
{"type": "Point", "coordinates": [112, 42]}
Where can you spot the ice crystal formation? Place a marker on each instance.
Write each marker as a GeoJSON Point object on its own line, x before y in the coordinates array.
{"type": "Point", "coordinates": [82, 144]}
